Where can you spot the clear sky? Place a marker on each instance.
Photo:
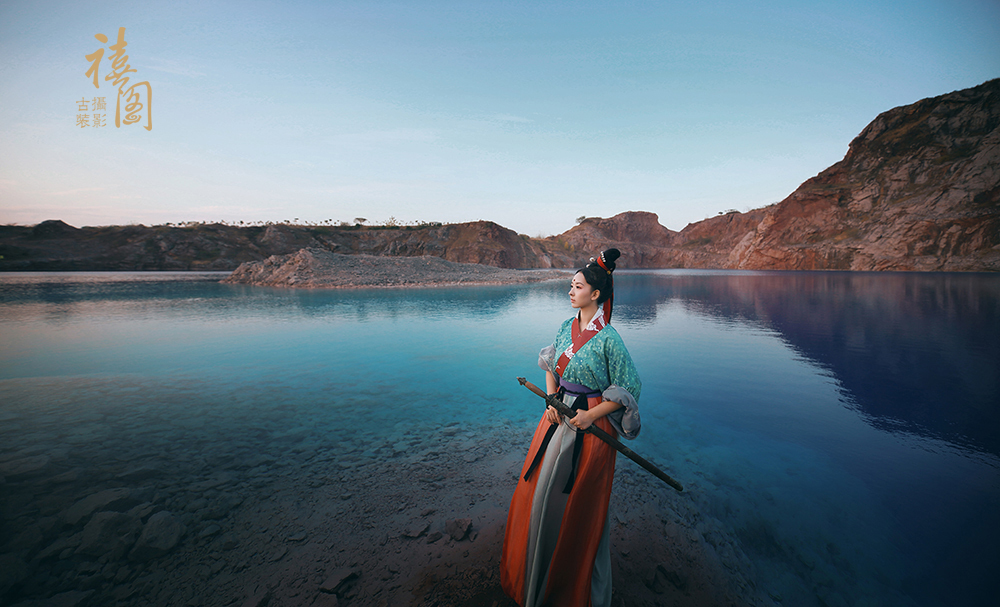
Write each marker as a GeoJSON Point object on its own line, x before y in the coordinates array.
{"type": "Point", "coordinates": [529, 114]}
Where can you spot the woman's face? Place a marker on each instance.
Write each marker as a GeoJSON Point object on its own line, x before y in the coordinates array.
{"type": "Point", "coordinates": [581, 293]}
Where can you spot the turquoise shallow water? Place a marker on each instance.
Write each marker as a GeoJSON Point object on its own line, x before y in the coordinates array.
{"type": "Point", "coordinates": [844, 427]}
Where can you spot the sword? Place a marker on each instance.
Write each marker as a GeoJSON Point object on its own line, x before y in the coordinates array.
{"type": "Point", "coordinates": [553, 401]}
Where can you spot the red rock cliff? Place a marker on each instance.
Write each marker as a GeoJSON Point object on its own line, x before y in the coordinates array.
{"type": "Point", "coordinates": [919, 189]}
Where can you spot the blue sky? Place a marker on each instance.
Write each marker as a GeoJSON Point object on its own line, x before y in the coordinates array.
{"type": "Point", "coordinates": [529, 114]}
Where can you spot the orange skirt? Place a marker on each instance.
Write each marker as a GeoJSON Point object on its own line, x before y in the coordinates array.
{"type": "Point", "coordinates": [585, 514]}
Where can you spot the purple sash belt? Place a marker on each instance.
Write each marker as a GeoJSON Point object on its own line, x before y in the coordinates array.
{"type": "Point", "coordinates": [576, 389]}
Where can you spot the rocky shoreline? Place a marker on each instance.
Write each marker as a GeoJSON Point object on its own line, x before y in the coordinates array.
{"type": "Point", "coordinates": [121, 515]}
{"type": "Point", "coordinates": [315, 268]}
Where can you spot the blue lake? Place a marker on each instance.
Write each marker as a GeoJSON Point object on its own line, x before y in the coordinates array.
{"type": "Point", "coordinates": [843, 428]}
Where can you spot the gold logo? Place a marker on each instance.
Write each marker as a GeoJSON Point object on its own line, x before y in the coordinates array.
{"type": "Point", "coordinates": [136, 99]}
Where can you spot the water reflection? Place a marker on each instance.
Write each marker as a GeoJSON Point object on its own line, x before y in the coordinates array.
{"type": "Point", "coordinates": [133, 381]}
{"type": "Point", "coordinates": [913, 352]}
{"type": "Point", "coordinates": [58, 296]}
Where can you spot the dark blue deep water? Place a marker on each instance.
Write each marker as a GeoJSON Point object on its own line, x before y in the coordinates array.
{"type": "Point", "coordinates": [844, 427]}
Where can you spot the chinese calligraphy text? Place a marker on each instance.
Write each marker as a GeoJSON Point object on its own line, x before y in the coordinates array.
{"type": "Point", "coordinates": [83, 119]}
{"type": "Point", "coordinates": [137, 98]}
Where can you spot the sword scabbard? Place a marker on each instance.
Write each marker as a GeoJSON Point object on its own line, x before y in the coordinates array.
{"type": "Point", "coordinates": [561, 407]}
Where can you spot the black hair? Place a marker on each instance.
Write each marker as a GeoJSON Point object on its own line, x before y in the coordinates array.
{"type": "Point", "coordinates": [600, 278]}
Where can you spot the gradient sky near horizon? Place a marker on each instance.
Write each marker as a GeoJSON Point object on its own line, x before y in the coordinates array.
{"type": "Point", "coordinates": [529, 114]}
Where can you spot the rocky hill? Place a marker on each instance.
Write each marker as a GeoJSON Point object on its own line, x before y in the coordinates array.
{"type": "Point", "coordinates": [54, 245]}
{"type": "Point", "coordinates": [919, 189]}
{"type": "Point", "coordinates": [321, 269]}
{"type": "Point", "coordinates": [645, 243]}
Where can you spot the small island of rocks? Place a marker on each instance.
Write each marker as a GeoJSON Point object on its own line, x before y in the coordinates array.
{"type": "Point", "coordinates": [315, 268]}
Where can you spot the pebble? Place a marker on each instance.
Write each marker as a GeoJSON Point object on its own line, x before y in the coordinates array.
{"type": "Point", "coordinates": [258, 599]}
{"type": "Point", "coordinates": [279, 554]}
{"type": "Point", "coordinates": [336, 581]}
{"type": "Point", "coordinates": [142, 510]}
{"type": "Point", "coordinates": [326, 600]}
{"type": "Point", "coordinates": [108, 499]}
{"type": "Point", "coordinates": [159, 536]}
{"type": "Point", "coordinates": [22, 468]}
{"type": "Point", "coordinates": [109, 534]}
{"type": "Point", "coordinates": [13, 570]}
{"type": "Point", "coordinates": [458, 528]}
{"type": "Point", "coordinates": [433, 537]}
{"type": "Point", "coordinates": [139, 474]}
{"type": "Point", "coordinates": [209, 531]}
{"type": "Point", "coordinates": [417, 530]}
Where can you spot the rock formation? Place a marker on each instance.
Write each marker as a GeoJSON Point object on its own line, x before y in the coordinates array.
{"type": "Point", "coordinates": [54, 245]}
{"type": "Point", "coordinates": [919, 189]}
{"type": "Point", "coordinates": [319, 268]}
{"type": "Point", "coordinates": [645, 243]}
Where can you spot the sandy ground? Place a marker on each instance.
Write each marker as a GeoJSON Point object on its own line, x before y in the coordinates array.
{"type": "Point", "coordinates": [356, 521]}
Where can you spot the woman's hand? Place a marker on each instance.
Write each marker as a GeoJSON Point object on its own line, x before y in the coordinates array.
{"type": "Point", "coordinates": [552, 415]}
{"type": "Point", "coordinates": [583, 419]}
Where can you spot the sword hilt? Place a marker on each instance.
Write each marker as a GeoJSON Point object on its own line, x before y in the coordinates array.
{"type": "Point", "coordinates": [601, 434]}
{"type": "Point", "coordinates": [551, 399]}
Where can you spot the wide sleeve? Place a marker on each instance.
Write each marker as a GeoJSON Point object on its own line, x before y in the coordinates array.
{"type": "Point", "coordinates": [547, 357]}
{"type": "Point", "coordinates": [624, 389]}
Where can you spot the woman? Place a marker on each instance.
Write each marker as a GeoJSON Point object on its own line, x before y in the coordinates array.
{"type": "Point", "coordinates": [557, 548]}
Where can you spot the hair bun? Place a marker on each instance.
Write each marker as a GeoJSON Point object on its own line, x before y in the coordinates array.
{"type": "Point", "coordinates": [610, 256]}
{"type": "Point", "coordinates": [606, 260]}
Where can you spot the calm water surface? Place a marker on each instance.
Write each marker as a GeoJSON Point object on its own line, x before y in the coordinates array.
{"type": "Point", "coordinates": [845, 427]}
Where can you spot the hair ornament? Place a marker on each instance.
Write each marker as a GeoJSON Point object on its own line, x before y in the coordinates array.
{"type": "Point", "coordinates": [601, 262]}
